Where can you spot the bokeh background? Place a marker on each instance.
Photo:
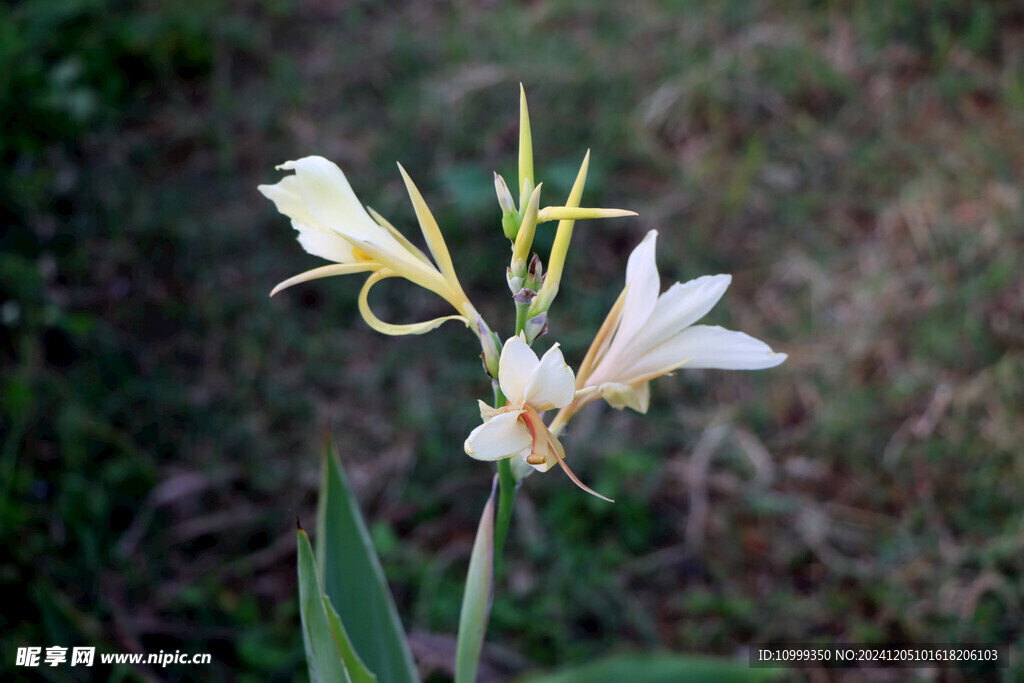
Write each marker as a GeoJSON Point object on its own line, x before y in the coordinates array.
{"type": "Point", "coordinates": [855, 165]}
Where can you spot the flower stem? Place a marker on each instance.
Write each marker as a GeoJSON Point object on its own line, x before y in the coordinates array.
{"type": "Point", "coordinates": [522, 311]}
{"type": "Point", "coordinates": [506, 492]}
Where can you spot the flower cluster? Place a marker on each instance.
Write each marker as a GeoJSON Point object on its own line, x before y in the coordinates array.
{"type": "Point", "coordinates": [646, 334]}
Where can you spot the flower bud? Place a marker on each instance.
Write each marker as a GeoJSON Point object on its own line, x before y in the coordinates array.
{"type": "Point", "coordinates": [536, 327]}
{"type": "Point", "coordinates": [535, 273]}
{"type": "Point", "coordinates": [491, 346]}
{"type": "Point", "coordinates": [505, 200]}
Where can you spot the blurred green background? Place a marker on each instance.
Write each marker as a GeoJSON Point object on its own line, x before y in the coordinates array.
{"type": "Point", "coordinates": [855, 165]}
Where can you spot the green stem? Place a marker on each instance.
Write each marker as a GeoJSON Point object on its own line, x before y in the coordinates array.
{"type": "Point", "coordinates": [522, 315]}
{"type": "Point", "coordinates": [506, 491]}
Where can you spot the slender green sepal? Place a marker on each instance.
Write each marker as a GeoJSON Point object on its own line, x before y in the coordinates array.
{"type": "Point", "coordinates": [354, 581]}
{"type": "Point", "coordinates": [476, 601]}
{"type": "Point", "coordinates": [323, 656]}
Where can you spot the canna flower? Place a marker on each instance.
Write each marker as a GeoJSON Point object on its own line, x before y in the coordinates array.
{"type": "Point", "coordinates": [333, 225]}
{"type": "Point", "coordinates": [647, 335]}
{"type": "Point", "coordinates": [516, 430]}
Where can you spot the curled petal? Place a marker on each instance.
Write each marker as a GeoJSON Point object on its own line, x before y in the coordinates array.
{"type": "Point", "coordinates": [326, 271]}
{"type": "Point", "coordinates": [500, 437]}
{"type": "Point", "coordinates": [547, 445]}
{"type": "Point", "coordinates": [392, 329]}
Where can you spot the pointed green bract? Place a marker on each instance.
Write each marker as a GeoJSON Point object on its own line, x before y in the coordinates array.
{"type": "Point", "coordinates": [476, 602]}
{"type": "Point", "coordinates": [322, 654]}
{"type": "Point", "coordinates": [525, 150]}
{"type": "Point", "coordinates": [524, 240]}
{"type": "Point", "coordinates": [354, 581]}
{"type": "Point", "coordinates": [560, 248]}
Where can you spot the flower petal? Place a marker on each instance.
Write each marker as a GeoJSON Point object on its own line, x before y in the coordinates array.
{"type": "Point", "coordinates": [329, 198]}
{"type": "Point", "coordinates": [515, 367]}
{"type": "Point", "coordinates": [552, 383]}
{"type": "Point", "coordinates": [288, 200]}
{"type": "Point", "coordinates": [619, 396]}
{"type": "Point", "coordinates": [431, 231]}
{"type": "Point", "coordinates": [642, 285]}
{"type": "Point", "coordinates": [325, 271]}
{"type": "Point", "coordinates": [703, 346]}
{"type": "Point", "coordinates": [500, 437]}
{"type": "Point", "coordinates": [389, 328]}
{"type": "Point", "coordinates": [327, 245]}
{"type": "Point", "coordinates": [402, 239]}
{"type": "Point", "coordinates": [678, 308]}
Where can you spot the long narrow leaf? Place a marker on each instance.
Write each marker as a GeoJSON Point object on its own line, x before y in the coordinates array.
{"type": "Point", "coordinates": [476, 602]}
{"type": "Point", "coordinates": [322, 655]}
{"type": "Point", "coordinates": [354, 581]}
{"type": "Point", "coordinates": [658, 668]}
{"type": "Point", "coordinates": [356, 669]}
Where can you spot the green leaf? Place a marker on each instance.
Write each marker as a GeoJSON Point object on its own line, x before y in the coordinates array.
{"type": "Point", "coordinates": [354, 581]}
{"type": "Point", "coordinates": [357, 670]}
{"type": "Point", "coordinates": [476, 601]}
{"type": "Point", "coordinates": [658, 668]}
{"type": "Point", "coordinates": [322, 655]}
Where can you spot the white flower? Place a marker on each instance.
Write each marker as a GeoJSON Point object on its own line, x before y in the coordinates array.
{"type": "Point", "coordinates": [530, 386]}
{"type": "Point", "coordinates": [646, 335]}
{"type": "Point", "coordinates": [516, 430]}
{"type": "Point", "coordinates": [333, 225]}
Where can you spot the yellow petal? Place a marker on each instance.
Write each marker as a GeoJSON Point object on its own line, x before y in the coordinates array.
{"type": "Point", "coordinates": [431, 233]}
{"type": "Point", "coordinates": [389, 328]}
{"type": "Point", "coordinates": [636, 396]}
{"type": "Point", "coordinates": [601, 341]}
{"type": "Point", "coordinates": [326, 271]}
{"type": "Point", "coordinates": [413, 249]}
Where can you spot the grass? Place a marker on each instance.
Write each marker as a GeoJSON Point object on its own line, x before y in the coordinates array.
{"type": "Point", "coordinates": [857, 170]}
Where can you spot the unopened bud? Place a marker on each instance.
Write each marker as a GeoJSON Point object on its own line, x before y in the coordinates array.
{"type": "Point", "coordinates": [491, 348]}
{"type": "Point", "coordinates": [515, 276]}
{"type": "Point", "coordinates": [536, 327]}
{"type": "Point", "coordinates": [505, 200]}
{"type": "Point", "coordinates": [534, 272]}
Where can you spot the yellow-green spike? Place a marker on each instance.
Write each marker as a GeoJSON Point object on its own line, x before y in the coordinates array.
{"type": "Point", "coordinates": [525, 149]}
